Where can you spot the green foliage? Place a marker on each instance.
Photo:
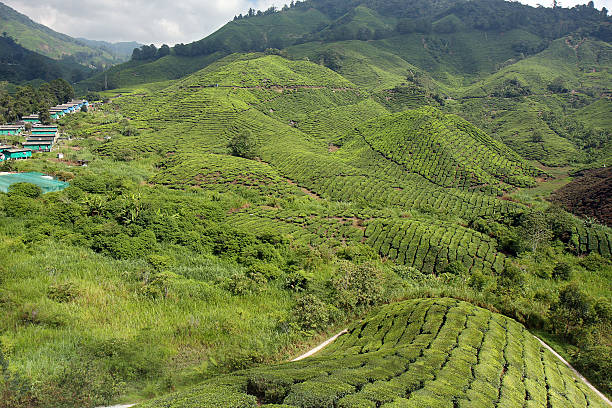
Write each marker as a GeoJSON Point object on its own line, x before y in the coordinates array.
{"type": "Point", "coordinates": [438, 158]}
{"type": "Point", "coordinates": [243, 145]}
{"type": "Point", "coordinates": [358, 286]}
{"type": "Point", "coordinates": [562, 271]}
{"type": "Point", "coordinates": [25, 190]}
{"type": "Point", "coordinates": [311, 312]}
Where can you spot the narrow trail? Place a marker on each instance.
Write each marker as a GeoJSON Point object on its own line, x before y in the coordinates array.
{"type": "Point", "coordinates": [119, 406]}
{"type": "Point", "coordinates": [333, 338]}
{"type": "Point", "coordinates": [576, 373]}
{"type": "Point", "coordinates": [320, 346]}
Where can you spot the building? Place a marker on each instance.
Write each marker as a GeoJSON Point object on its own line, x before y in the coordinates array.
{"type": "Point", "coordinates": [58, 111]}
{"type": "Point", "coordinates": [8, 130]}
{"type": "Point", "coordinates": [37, 138]}
{"type": "Point", "coordinates": [15, 154]}
{"type": "Point", "coordinates": [38, 146]}
{"type": "Point", "coordinates": [31, 119]}
{"type": "Point", "coordinates": [44, 130]}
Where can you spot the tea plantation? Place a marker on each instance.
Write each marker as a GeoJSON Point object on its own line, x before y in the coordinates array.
{"type": "Point", "coordinates": [417, 353]}
{"type": "Point", "coordinates": [334, 164]}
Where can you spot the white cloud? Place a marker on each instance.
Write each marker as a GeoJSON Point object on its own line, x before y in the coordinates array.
{"type": "Point", "coordinates": [158, 21]}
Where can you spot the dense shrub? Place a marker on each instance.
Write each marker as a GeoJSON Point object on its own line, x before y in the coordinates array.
{"type": "Point", "coordinates": [562, 271]}
{"type": "Point", "coordinates": [25, 190]}
{"type": "Point", "coordinates": [311, 313]}
{"type": "Point", "coordinates": [358, 286]}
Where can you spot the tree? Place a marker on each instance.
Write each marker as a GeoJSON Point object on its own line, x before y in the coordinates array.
{"type": "Point", "coordinates": [536, 229]}
{"type": "Point", "coordinates": [562, 271]}
{"type": "Point", "coordinates": [93, 96]}
{"type": "Point", "coordinates": [44, 116]}
{"type": "Point", "coordinates": [62, 90]}
{"type": "Point", "coordinates": [572, 311]}
{"type": "Point", "coordinates": [25, 190]}
{"type": "Point", "coordinates": [242, 145]}
{"type": "Point", "coordinates": [557, 85]}
{"type": "Point", "coordinates": [358, 286]}
{"type": "Point", "coordinates": [163, 51]}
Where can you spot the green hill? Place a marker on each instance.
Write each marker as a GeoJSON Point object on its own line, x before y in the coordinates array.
{"type": "Point", "coordinates": [445, 149]}
{"type": "Point", "coordinates": [297, 126]}
{"type": "Point", "coordinates": [421, 353]}
{"type": "Point", "coordinates": [454, 39]}
{"type": "Point", "coordinates": [516, 60]}
{"type": "Point", "coordinates": [18, 65]}
{"type": "Point", "coordinates": [42, 40]}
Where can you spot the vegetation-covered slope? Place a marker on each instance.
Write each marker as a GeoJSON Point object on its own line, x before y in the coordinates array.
{"type": "Point", "coordinates": [231, 223]}
{"type": "Point", "coordinates": [421, 353]}
{"type": "Point", "coordinates": [442, 36]}
{"type": "Point", "coordinates": [589, 195]}
{"type": "Point", "coordinates": [445, 149]}
{"type": "Point", "coordinates": [18, 65]}
{"type": "Point", "coordinates": [42, 40]}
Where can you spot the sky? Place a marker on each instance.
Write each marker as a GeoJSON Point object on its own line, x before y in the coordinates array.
{"type": "Point", "coordinates": [159, 21]}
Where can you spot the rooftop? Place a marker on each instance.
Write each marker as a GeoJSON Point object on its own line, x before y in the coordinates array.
{"type": "Point", "coordinates": [17, 150]}
{"type": "Point", "coordinates": [37, 142]}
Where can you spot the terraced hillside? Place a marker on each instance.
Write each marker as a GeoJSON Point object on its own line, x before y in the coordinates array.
{"type": "Point", "coordinates": [418, 353]}
{"type": "Point", "coordinates": [303, 120]}
{"type": "Point", "coordinates": [445, 149]}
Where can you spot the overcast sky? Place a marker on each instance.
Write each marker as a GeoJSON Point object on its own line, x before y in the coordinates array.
{"type": "Point", "coordinates": [158, 21]}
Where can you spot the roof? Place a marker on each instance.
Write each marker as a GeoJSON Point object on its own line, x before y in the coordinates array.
{"type": "Point", "coordinates": [34, 116]}
{"type": "Point", "coordinates": [16, 150]}
{"type": "Point", "coordinates": [4, 147]}
{"type": "Point", "coordinates": [37, 142]}
{"type": "Point", "coordinates": [10, 127]}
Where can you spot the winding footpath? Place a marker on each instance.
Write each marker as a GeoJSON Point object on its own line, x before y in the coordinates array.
{"type": "Point", "coordinates": [332, 339]}
{"type": "Point", "coordinates": [576, 373]}
{"type": "Point", "coordinates": [320, 346]}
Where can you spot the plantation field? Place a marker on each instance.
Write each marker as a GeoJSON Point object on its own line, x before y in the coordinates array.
{"type": "Point", "coordinates": [429, 352]}
{"type": "Point", "coordinates": [455, 176]}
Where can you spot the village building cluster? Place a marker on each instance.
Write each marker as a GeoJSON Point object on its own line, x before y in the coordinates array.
{"type": "Point", "coordinates": [39, 137]}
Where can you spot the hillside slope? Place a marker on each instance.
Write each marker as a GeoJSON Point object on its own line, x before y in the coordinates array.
{"type": "Point", "coordinates": [445, 149]}
{"type": "Point", "coordinates": [43, 40]}
{"type": "Point", "coordinates": [18, 64]}
{"type": "Point", "coordinates": [589, 195]}
{"type": "Point", "coordinates": [451, 37]}
{"type": "Point", "coordinates": [418, 353]}
{"type": "Point", "coordinates": [296, 113]}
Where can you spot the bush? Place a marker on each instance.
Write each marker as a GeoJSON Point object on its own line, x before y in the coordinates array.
{"type": "Point", "coordinates": [25, 190]}
{"type": "Point", "coordinates": [297, 281]}
{"type": "Point", "coordinates": [358, 286]}
{"type": "Point", "coordinates": [63, 292]}
{"type": "Point", "coordinates": [242, 145]}
{"type": "Point", "coordinates": [311, 313]}
{"type": "Point", "coordinates": [314, 394]}
{"type": "Point", "coordinates": [456, 268]}
{"type": "Point", "coordinates": [512, 277]}
{"type": "Point", "coordinates": [594, 262]}
{"type": "Point", "coordinates": [562, 271]}
{"type": "Point", "coordinates": [596, 362]}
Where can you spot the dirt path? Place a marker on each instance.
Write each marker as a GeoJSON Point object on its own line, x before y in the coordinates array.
{"type": "Point", "coordinates": [120, 406]}
{"type": "Point", "coordinates": [320, 346]}
{"type": "Point", "coordinates": [576, 373]}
